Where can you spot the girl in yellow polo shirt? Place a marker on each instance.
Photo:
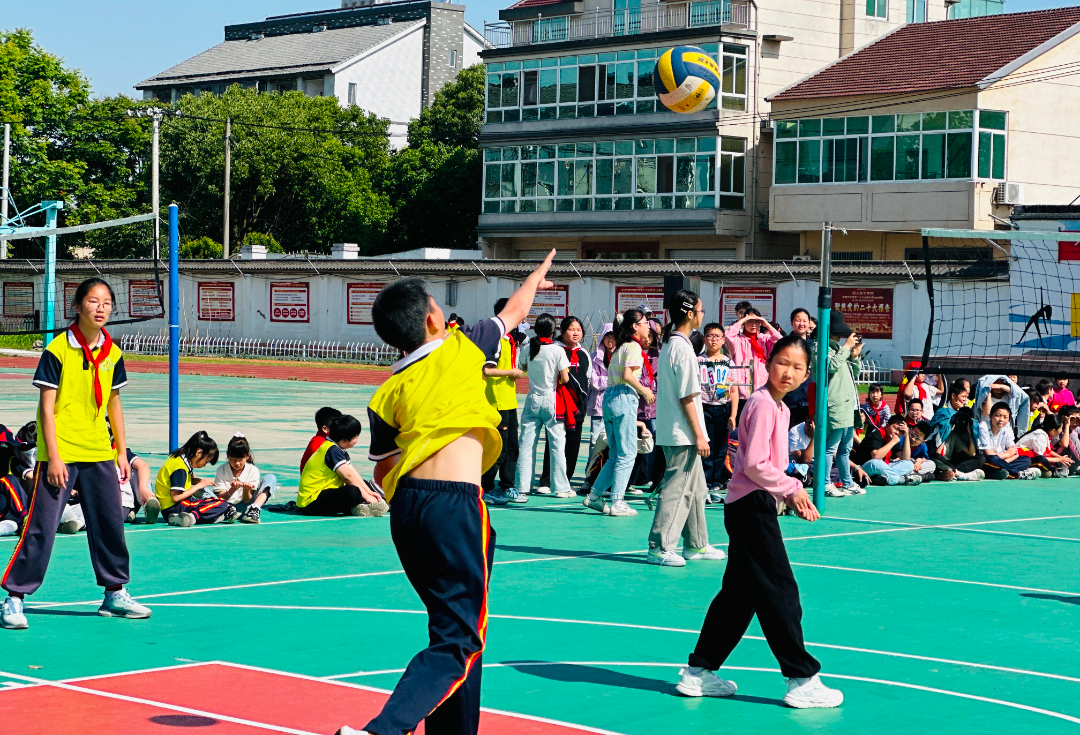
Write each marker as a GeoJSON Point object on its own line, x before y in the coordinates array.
{"type": "Point", "coordinates": [80, 375]}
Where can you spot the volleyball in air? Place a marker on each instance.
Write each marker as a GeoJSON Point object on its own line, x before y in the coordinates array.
{"type": "Point", "coordinates": [686, 79]}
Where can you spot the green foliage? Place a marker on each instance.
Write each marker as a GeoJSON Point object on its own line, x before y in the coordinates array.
{"type": "Point", "coordinates": [200, 248]}
{"type": "Point", "coordinates": [455, 116]}
{"type": "Point", "coordinates": [19, 341]}
{"type": "Point", "coordinates": [265, 239]}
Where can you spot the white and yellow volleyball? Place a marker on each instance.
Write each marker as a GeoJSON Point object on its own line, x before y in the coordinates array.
{"type": "Point", "coordinates": [686, 79]}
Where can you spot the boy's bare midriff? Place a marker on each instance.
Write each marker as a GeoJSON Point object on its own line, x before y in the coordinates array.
{"type": "Point", "coordinates": [458, 461]}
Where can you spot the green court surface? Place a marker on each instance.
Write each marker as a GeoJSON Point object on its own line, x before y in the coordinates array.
{"type": "Point", "coordinates": [945, 608]}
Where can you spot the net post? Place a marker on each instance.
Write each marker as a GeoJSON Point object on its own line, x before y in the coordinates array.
{"type": "Point", "coordinates": [174, 327]}
{"type": "Point", "coordinates": [929, 295]}
{"type": "Point", "coordinates": [49, 322]}
{"type": "Point", "coordinates": [821, 364]}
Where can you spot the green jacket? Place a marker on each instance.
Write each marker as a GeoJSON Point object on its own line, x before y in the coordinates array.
{"type": "Point", "coordinates": [843, 396]}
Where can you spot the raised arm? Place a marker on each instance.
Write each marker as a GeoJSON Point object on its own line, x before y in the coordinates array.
{"type": "Point", "coordinates": [517, 306]}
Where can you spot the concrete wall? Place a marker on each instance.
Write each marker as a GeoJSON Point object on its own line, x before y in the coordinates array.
{"type": "Point", "coordinates": [445, 33]}
{"type": "Point", "coordinates": [591, 299]}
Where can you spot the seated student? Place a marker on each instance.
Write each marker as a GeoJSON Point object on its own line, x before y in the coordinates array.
{"type": "Point", "coordinates": [920, 454]}
{"type": "Point", "coordinates": [322, 422]}
{"type": "Point", "coordinates": [1069, 441]}
{"type": "Point", "coordinates": [886, 456]}
{"type": "Point", "coordinates": [330, 485]}
{"type": "Point", "coordinates": [1040, 443]}
{"type": "Point", "coordinates": [130, 502]}
{"type": "Point", "coordinates": [17, 464]}
{"type": "Point", "coordinates": [238, 481]}
{"type": "Point", "coordinates": [875, 410]}
{"type": "Point", "coordinates": [186, 500]}
{"type": "Point", "coordinates": [913, 411]}
{"type": "Point", "coordinates": [801, 450]}
{"type": "Point", "coordinates": [959, 451]}
{"type": "Point", "coordinates": [941, 423]}
{"type": "Point", "coordinates": [1062, 395]}
{"type": "Point", "coordinates": [996, 441]}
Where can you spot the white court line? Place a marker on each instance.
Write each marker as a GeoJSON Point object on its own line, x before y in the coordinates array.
{"type": "Point", "coordinates": [886, 682]}
{"type": "Point", "coordinates": [637, 626]}
{"type": "Point", "coordinates": [154, 703]}
{"type": "Point", "coordinates": [166, 528]}
{"type": "Point", "coordinates": [936, 579]}
{"type": "Point", "coordinates": [965, 527]}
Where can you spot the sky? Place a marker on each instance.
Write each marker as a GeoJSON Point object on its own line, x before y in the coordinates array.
{"type": "Point", "coordinates": [117, 43]}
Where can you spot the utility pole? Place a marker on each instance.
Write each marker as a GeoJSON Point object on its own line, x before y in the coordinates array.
{"type": "Point", "coordinates": [228, 177]}
{"type": "Point", "coordinates": [155, 115]}
{"type": "Point", "coordinates": [821, 404]}
{"type": "Point", "coordinates": [4, 196]}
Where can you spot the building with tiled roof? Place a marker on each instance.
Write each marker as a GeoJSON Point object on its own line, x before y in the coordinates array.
{"type": "Point", "coordinates": [387, 58]}
{"type": "Point", "coordinates": [946, 124]}
{"type": "Point", "coordinates": [579, 154]}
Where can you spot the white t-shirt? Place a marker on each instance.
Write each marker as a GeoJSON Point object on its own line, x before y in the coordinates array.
{"type": "Point", "coordinates": [628, 355]}
{"type": "Point", "coordinates": [928, 404]}
{"type": "Point", "coordinates": [797, 440]}
{"type": "Point", "coordinates": [1037, 441]}
{"type": "Point", "coordinates": [677, 376]}
{"type": "Point", "coordinates": [544, 370]}
{"type": "Point", "coordinates": [224, 477]}
{"type": "Point", "coordinates": [1000, 442]}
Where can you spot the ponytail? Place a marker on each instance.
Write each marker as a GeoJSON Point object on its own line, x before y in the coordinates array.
{"type": "Point", "coordinates": [543, 329]}
{"type": "Point", "coordinates": [624, 332]}
{"type": "Point", "coordinates": [200, 440]}
{"type": "Point", "coordinates": [681, 306]}
{"type": "Point", "coordinates": [239, 448]}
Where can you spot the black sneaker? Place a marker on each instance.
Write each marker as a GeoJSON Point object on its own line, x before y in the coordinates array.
{"type": "Point", "coordinates": [997, 474]}
{"type": "Point", "coordinates": [230, 514]}
{"type": "Point", "coordinates": [251, 515]}
{"type": "Point", "coordinates": [879, 480]}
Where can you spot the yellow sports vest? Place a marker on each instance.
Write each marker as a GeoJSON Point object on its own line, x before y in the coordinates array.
{"type": "Point", "coordinates": [163, 483]}
{"type": "Point", "coordinates": [81, 433]}
{"type": "Point", "coordinates": [502, 392]}
{"type": "Point", "coordinates": [317, 477]}
{"type": "Point", "coordinates": [435, 401]}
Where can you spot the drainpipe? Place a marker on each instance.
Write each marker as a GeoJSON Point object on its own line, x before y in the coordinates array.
{"type": "Point", "coordinates": [754, 137]}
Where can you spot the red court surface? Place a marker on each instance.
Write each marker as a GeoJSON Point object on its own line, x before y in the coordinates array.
{"type": "Point", "coordinates": [225, 697]}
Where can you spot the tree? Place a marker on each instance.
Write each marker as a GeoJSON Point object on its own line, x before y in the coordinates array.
{"type": "Point", "coordinates": [200, 248]}
{"type": "Point", "coordinates": [266, 240]}
{"type": "Point", "coordinates": [455, 116]}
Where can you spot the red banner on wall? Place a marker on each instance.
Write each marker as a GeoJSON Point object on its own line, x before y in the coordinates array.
{"type": "Point", "coordinates": [630, 297]}
{"type": "Point", "coordinates": [144, 299]}
{"type": "Point", "coordinates": [359, 298]}
{"type": "Point", "coordinates": [761, 298]}
{"type": "Point", "coordinates": [869, 311]}
{"type": "Point", "coordinates": [290, 302]}
{"type": "Point", "coordinates": [554, 301]}
{"type": "Point", "coordinates": [217, 301]}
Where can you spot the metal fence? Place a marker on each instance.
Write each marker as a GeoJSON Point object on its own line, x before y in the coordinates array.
{"type": "Point", "coordinates": [605, 22]}
{"type": "Point", "coordinates": [871, 373]}
{"type": "Point", "coordinates": [365, 353]}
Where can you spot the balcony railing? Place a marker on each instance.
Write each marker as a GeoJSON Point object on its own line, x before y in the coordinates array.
{"type": "Point", "coordinates": [605, 22]}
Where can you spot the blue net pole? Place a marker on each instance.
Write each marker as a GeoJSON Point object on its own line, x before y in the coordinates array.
{"type": "Point", "coordinates": [821, 376]}
{"type": "Point", "coordinates": [174, 327]}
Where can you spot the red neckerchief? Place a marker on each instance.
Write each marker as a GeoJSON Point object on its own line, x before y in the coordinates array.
{"type": "Point", "coordinates": [88, 355]}
{"type": "Point", "coordinates": [544, 340]}
{"type": "Point", "coordinates": [513, 352]}
{"type": "Point", "coordinates": [757, 349]}
{"type": "Point", "coordinates": [645, 361]}
{"type": "Point", "coordinates": [876, 415]}
{"type": "Point", "coordinates": [572, 356]}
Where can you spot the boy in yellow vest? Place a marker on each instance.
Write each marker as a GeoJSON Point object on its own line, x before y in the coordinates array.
{"type": "Point", "coordinates": [329, 484]}
{"type": "Point", "coordinates": [433, 434]}
{"type": "Point", "coordinates": [500, 377]}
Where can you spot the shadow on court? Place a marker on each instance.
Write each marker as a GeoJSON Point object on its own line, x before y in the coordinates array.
{"type": "Point", "coordinates": [541, 551]}
{"type": "Point", "coordinates": [53, 611]}
{"type": "Point", "coordinates": [1070, 599]}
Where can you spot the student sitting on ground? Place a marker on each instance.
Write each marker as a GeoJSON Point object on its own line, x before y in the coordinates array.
{"type": "Point", "coordinates": [1039, 444]}
{"type": "Point", "coordinates": [322, 422]}
{"type": "Point", "coordinates": [996, 441]}
{"type": "Point", "coordinates": [17, 462]}
{"type": "Point", "coordinates": [1062, 395]}
{"type": "Point", "coordinates": [875, 410]}
{"type": "Point", "coordinates": [185, 500]}
{"type": "Point", "coordinates": [886, 455]}
{"type": "Point", "coordinates": [329, 484]}
{"type": "Point", "coordinates": [72, 520]}
{"type": "Point", "coordinates": [238, 480]}
{"type": "Point", "coordinates": [959, 451]}
{"type": "Point", "coordinates": [920, 454]}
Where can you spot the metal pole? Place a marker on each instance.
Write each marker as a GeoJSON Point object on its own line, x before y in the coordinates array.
{"type": "Point", "coordinates": [51, 208]}
{"type": "Point", "coordinates": [155, 176]}
{"type": "Point", "coordinates": [821, 363]}
{"type": "Point", "coordinates": [174, 328]}
{"type": "Point", "coordinates": [228, 176]}
{"type": "Point", "coordinates": [4, 186]}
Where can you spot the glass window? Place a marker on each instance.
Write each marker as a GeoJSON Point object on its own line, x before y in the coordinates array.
{"type": "Point", "coordinates": [549, 84]}
{"type": "Point", "coordinates": [933, 120]}
{"type": "Point", "coordinates": [510, 89]}
{"type": "Point", "coordinates": [568, 85]}
{"type": "Point", "coordinates": [933, 156]}
{"type": "Point", "coordinates": [998, 168]}
{"type": "Point", "coordinates": [958, 151]}
{"type": "Point", "coordinates": [530, 88]}
{"type": "Point", "coordinates": [604, 169]}
{"type": "Point", "coordinates": [494, 94]}
{"type": "Point", "coordinates": [877, 9]}
{"type": "Point", "coordinates": [583, 178]}
{"type": "Point", "coordinates": [828, 150]}
{"type": "Point", "coordinates": [992, 120]}
{"type": "Point", "coordinates": [509, 181]}
{"type": "Point", "coordinates": [881, 158]}
{"type": "Point", "coordinates": [705, 145]}
{"type": "Point", "coordinates": [832, 126]}
{"type": "Point", "coordinates": [665, 174]}
{"type": "Point", "coordinates": [646, 175]}
{"type": "Point", "coordinates": [491, 181]}
{"type": "Point", "coordinates": [624, 81]}
{"type": "Point", "coordinates": [566, 178]}
{"type": "Point", "coordinates": [545, 179]}
{"type": "Point", "coordinates": [809, 128]}
{"type": "Point", "coordinates": [605, 149]}
{"type": "Point", "coordinates": [644, 78]}
{"type": "Point", "coordinates": [528, 179]}
{"type": "Point", "coordinates": [787, 129]}
{"type": "Point", "coordinates": [586, 84]}
{"type": "Point", "coordinates": [786, 163]}
{"type": "Point", "coordinates": [809, 161]}
{"type": "Point", "coordinates": [685, 145]}
{"type": "Point", "coordinates": [908, 122]}
{"type": "Point", "coordinates": [907, 157]}
{"type": "Point", "coordinates": [961, 120]}
{"type": "Point", "coordinates": [883, 124]}
{"type": "Point", "coordinates": [622, 177]}
{"type": "Point", "coordinates": [858, 125]}
{"type": "Point", "coordinates": [664, 145]}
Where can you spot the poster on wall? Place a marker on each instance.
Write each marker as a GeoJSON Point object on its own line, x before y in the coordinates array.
{"type": "Point", "coordinates": [631, 297]}
{"type": "Point", "coordinates": [762, 298]}
{"type": "Point", "coordinates": [69, 299]}
{"type": "Point", "coordinates": [217, 301]}
{"type": "Point", "coordinates": [143, 299]}
{"type": "Point", "coordinates": [289, 302]}
{"type": "Point", "coordinates": [18, 298]}
{"type": "Point", "coordinates": [358, 300]}
{"type": "Point", "coordinates": [554, 301]}
{"type": "Point", "coordinates": [869, 311]}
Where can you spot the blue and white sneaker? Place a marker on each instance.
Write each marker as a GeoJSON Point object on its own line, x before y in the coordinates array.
{"type": "Point", "coordinates": [12, 616]}
{"type": "Point", "coordinates": [120, 605]}
{"type": "Point", "coordinates": [515, 496]}
{"type": "Point", "coordinates": [346, 730]}
{"type": "Point", "coordinates": [496, 497]}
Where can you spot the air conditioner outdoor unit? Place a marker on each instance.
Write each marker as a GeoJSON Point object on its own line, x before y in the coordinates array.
{"type": "Point", "coordinates": [766, 125]}
{"type": "Point", "coordinates": [1009, 192]}
{"type": "Point", "coordinates": [765, 220]}
{"type": "Point", "coordinates": [802, 257]}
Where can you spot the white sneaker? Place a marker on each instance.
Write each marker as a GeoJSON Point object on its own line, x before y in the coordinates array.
{"type": "Point", "coordinates": [832, 491]}
{"type": "Point", "coordinates": [68, 527]}
{"type": "Point", "coordinates": [1031, 473]}
{"type": "Point", "coordinates": [596, 504]}
{"type": "Point", "coordinates": [542, 491]}
{"type": "Point", "coordinates": [634, 491]}
{"type": "Point", "coordinates": [664, 558]}
{"type": "Point", "coordinates": [566, 494]}
{"type": "Point", "coordinates": [8, 528]}
{"type": "Point", "coordinates": [853, 489]}
{"type": "Point", "coordinates": [515, 496]}
{"type": "Point", "coordinates": [707, 552]}
{"type": "Point", "coordinates": [977, 475]}
{"type": "Point", "coordinates": [151, 510]}
{"type": "Point", "coordinates": [810, 693]}
{"type": "Point", "coordinates": [620, 508]}
{"type": "Point", "coordinates": [912, 479]}
{"type": "Point", "coordinates": [696, 682]}
{"type": "Point", "coordinates": [12, 616]}
{"type": "Point", "coordinates": [346, 730]}
{"type": "Point", "coordinates": [183, 520]}
{"type": "Point", "coordinates": [120, 605]}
